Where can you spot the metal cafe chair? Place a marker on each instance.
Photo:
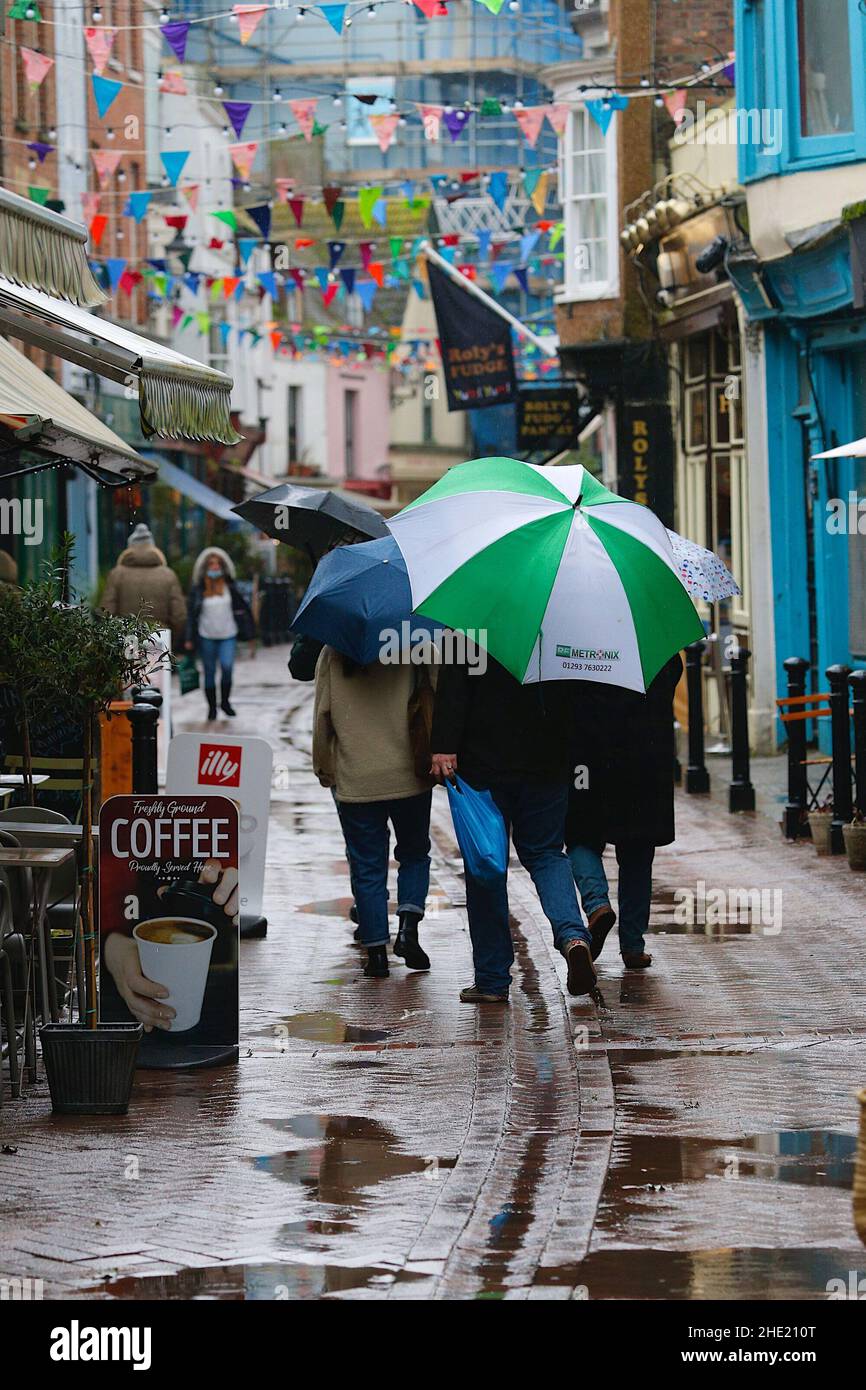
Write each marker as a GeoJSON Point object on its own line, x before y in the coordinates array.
{"type": "Point", "coordinates": [7, 992]}
{"type": "Point", "coordinates": [62, 911]}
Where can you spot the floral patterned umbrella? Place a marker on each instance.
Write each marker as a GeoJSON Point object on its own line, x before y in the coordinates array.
{"type": "Point", "coordinates": [701, 571]}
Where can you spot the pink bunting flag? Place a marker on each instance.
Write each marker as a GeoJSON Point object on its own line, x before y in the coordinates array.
{"type": "Point", "coordinates": [282, 188]}
{"type": "Point", "coordinates": [384, 128]}
{"type": "Point", "coordinates": [36, 66]}
{"type": "Point", "coordinates": [99, 42]}
{"type": "Point", "coordinates": [431, 117]}
{"type": "Point", "coordinates": [557, 114]}
{"type": "Point", "coordinates": [248, 17]}
{"type": "Point", "coordinates": [428, 7]}
{"type": "Point", "coordinates": [243, 156]}
{"type": "Point", "coordinates": [675, 103]}
{"type": "Point", "coordinates": [366, 250]}
{"type": "Point", "coordinates": [531, 119]}
{"type": "Point", "coordinates": [106, 162]}
{"type": "Point", "coordinates": [304, 112]}
{"type": "Point", "coordinates": [191, 192]}
{"type": "Point", "coordinates": [89, 206]}
{"type": "Point", "coordinates": [173, 83]}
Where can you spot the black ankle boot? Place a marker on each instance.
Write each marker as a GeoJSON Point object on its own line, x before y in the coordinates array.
{"type": "Point", "coordinates": [407, 944]}
{"type": "Point", "coordinates": [226, 689]}
{"type": "Point", "coordinates": [377, 963]}
{"type": "Point", "coordinates": [210, 695]}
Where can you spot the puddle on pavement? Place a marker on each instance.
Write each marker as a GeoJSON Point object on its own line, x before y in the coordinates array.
{"type": "Point", "coordinates": [325, 1027]}
{"type": "Point", "coordinates": [328, 907]}
{"type": "Point", "coordinates": [744, 917]}
{"type": "Point", "coordinates": [256, 1282]}
{"type": "Point", "coordinates": [728, 1274]}
{"type": "Point", "coordinates": [645, 1164]}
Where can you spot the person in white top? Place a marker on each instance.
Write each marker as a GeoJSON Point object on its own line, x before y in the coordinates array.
{"type": "Point", "coordinates": [218, 614]}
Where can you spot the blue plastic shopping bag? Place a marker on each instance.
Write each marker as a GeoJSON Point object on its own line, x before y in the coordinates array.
{"type": "Point", "coordinates": [480, 830]}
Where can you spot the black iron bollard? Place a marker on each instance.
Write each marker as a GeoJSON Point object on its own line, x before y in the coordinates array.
{"type": "Point", "coordinates": [840, 724]}
{"type": "Point", "coordinates": [857, 682]}
{"type": "Point", "coordinates": [741, 793]}
{"type": "Point", "coordinates": [697, 777]}
{"type": "Point", "coordinates": [144, 719]}
{"type": "Point", "coordinates": [146, 695]}
{"type": "Point", "coordinates": [797, 803]}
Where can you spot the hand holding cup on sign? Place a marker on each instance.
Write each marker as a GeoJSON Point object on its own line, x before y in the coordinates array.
{"type": "Point", "coordinates": [143, 997]}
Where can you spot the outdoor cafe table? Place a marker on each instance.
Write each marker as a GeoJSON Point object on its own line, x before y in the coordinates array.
{"type": "Point", "coordinates": [41, 863]}
{"type": "Point", "coordinates": [17, 779]}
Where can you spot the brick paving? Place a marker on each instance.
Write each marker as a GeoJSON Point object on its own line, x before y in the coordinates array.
{"type": "Point", "coordinates": [689, 1133]}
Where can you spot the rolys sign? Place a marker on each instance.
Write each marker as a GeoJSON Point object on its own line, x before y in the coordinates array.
{"type": "Point", "coordinates": [170, 830]}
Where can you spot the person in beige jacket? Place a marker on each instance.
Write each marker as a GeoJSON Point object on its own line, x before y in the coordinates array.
{"type": "Point", "coordinates": [141, 582]}
{"type": "Point", "coordinates": [364, 751]}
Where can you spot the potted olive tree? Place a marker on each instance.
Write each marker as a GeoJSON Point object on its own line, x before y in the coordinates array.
{"type": "Point", "coordinates": [79, 659]}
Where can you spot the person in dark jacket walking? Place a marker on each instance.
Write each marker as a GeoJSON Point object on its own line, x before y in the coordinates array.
{"type": "Point", "coordinates": [623, 794]}
{"type": "Point", "coordinates": [218, 614]}
{"type": "Point", "coordinates": [514, 740]}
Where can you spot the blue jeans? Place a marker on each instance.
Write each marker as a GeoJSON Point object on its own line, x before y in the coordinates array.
{"type": "Point", "coordinates": [635, 860]}
{"type": "Point", "coordinates": [368, 839]}
{"type": "Point", "coordinates": [213, 650]}
{"type": "Point", "coordinates": [535, 815]}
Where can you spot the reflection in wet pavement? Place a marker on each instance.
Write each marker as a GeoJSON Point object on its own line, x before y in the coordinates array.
{"type": "Point", "coordinates": [322, 1026]}
{"type": "Point", "coordinates": [347, 1154]}
{"type": "Point", "coordinates": [256, 1282]}
{"type": "Point", "coordinates": [703, 1274]}
{"type": "Point", "coordinates": [328, 907]}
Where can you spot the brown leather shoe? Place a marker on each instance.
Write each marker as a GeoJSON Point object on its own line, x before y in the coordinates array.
{"type": "Point", "coordinates": [582, 978]}
{"type": "Point", "coordinates": [473, 995]}
{"type": "Point", "coordinates": [637, 961]}
{"type": "Point", "coordinates": [600, 923]}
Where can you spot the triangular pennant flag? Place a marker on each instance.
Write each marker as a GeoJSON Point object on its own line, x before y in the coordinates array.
{"type": "Point", "coordinates": [557, 232]}
{"type": "Point", "coordinates": [494, 6]}
{"type": "Point", "coordinates": [431, 117]}
{"type": "Point", "coordinates": [282, 188]}
{"type": "Point", "coordinates": [528, 243]}
{"type": "Point", "coordinates": [334, 14]}
{"type": "Point", "coordinates": [105, 91]}
{"type": "Point", "coordinates": [384, 129]}
{"type": "Point", "coordinates": [499, 273]}
{"type": "Point", "coordinates": [301, 242]}
{"type": "Point", "coordinates": [530, 119]}
{"type": "Point", "coordinates": [115, 267]}
{"type": "Point", "coordinates": [522, 277]}
{"type": "Point", "coordinates": [530, 179]}
{"type": "Point", "coordinates": [261, 215]}
{"type": "Point", "coordinates": [676, 103]}
{"type": "Point", "coordinates": [90, 206]}
{"type": "Point", "coordinates": [456, 121]}
{"type": "Point", "coordinates": [331, 196]}
{"type": "Point", "coordinates": [99, 43]}
{"type": "Point", "coordinates": [428, 7]}
{"type": "Point", "coordinates": [328, 294]}
{"type": "Point", "coordinates": [366, 250]}
{"type": "Point", "coordinates": [105, 162]}
{"type": "Point", "coordinates": [237, 112]}
{"type": "Point", "coordinates": [173, 162]}
{"type": "Point", "coordinates": [40, 149]}
{"type": "Point", "coordinates": [203, 321]}
{"type": "Point", "coordinates": [97, 228]}
{"type": "Point", "coordinates": [337, 214]}
{"type": "Point", "coordinates": [248, 17]}
{"type": "Point", "coordinates": [137, 204]}
{"type": "Point", "coordinates": [601, 112]}
{"type": "Point", "coordinates": [498, 188]}
{"type": "Point", "coordinates": [246, 247]}
{"type": "Point", "coordinates": [335, 251]}
{"type": "Point", "coordinates": [243, 157]}
{"type": "Point", "coordinates": [38, 195]}
{"type": "Point", "coordinates": [230, 284]}
{"type": "Point", "coordinates": [224, 329]}
{"type": "Point", "coordinates": [322, 276]}
{"type": "Point", "coordinates": [36, 66]}
{"type": "Point", "coordinates": [348, 278]}
{"type": "Point", "coordinates": [175, 36]}
{"type": "Point", "coordinates": [377, 272]}
{"type": "Point", "coordinates": [396, 245]}
{"type": "Point", "coordinates": [407, 188]}
{"type": "Point", "coordinates": [177, 220]}
{"type": "Point", "coordinates": [268, 281]}
{"type": "Point", "coordinates": [557, 114]}
{"type": "Point", "coordinates": [191, 192]}
{"type": "Point", "coordinates": [366, 290]}
{"type": "Point", "coordinates": [297, 207]}
{"type": "Point", "coordinates": [490, 107]}
{"type": "Point", "coordinates": [129, 279]}
{"type": "Point", "coordinates": [227, 216]}
{"type": "Point", "coordinates": [484, 235]}
{"type": "Point", "coordinates": [367, 200]}
{"type": "Point", "coordinates": [304, 112]}
{"type": "Point", "coordinates": [539, 193]}
{"type": "Point", "coordinates": [380, 211]}
{"type": "Point", "coordinates": [24, 9]}
{"type": "Point", "coordinates": [298, 276]}
{"type": "Point", "coordinates": [173, 83]}
{"type": "Point", "coordinates": [418, 287]}
{"type": "Point", "coordinates": [276, 337]}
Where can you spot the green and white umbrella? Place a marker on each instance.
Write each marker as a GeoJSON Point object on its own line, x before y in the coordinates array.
{"type": "Point", "coordinates": [559, 578]}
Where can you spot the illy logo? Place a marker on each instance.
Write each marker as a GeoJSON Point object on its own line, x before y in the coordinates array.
{"type": "Point", "coordinates": [219, 765]}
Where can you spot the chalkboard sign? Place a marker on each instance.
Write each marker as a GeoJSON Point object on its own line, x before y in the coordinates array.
{"type": "Point", "coordinates": [547, 420]}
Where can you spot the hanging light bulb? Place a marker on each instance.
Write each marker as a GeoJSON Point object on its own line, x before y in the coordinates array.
{"type": "Point", "coordinates": [338, 101]}
{"type": "Point", "coordinates": [121, 177]}
{"type": "Point", "coordinates": [97, 16]}
{"type": "Point", "coordinates": [348, 22]}
{"type": "Point", "coordinates": [52, 134]}
{"type": "Point", "coordinates": [110, 133]}
{"type": "Point", "coordinates": [371, 12]}
{"type": "Point", "coordinates": [644, 82]}
{"type": "Point", "coordinates": [659, 101]}
{"type": "Point", "coordinates": [31, 163]}
{"type": "Point", "coordinates": [218, 89]}
{"type": "Point", "coordinates": [514, 5]}
{"type": "Point", "coordinates": [284, 129]}
{"type": "Point", "coordinates": [301, 13]}
{"type": "Point", "coordinates": [278, 96]}
{"type": "Point", "coordinates": [163, 16]}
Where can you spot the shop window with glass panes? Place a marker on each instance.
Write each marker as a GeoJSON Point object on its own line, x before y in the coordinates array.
{"type": "Point", "coordinates": [587, 171]}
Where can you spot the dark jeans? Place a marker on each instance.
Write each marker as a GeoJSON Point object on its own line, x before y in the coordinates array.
{"type": "Point", "coordinates": [535, 815]}
{"type": "Point", "coordinates": [635, 860]}
{"type": "Point", "coordinates": [215, 650]}
{"type": "Point", "coordinates": [366, 829]}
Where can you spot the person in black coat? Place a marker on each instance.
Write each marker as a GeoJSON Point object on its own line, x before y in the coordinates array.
{"type": "Point", "coordinates": [623, 794]}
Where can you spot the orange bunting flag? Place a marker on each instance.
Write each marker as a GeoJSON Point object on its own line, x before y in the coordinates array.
{"type": "Point", "coordinates": [531, 119]}
{"type": "Point", "coordinates": [384, 128]}
{"type": "Point", "coordinates": [243, 157]}
{"type": "Point", "coordinates": [248, 17]}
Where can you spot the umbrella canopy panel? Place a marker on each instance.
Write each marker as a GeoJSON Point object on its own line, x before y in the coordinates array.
{"type": "Point", "coordinates": [310, 518]}
{"type": "Point", "coordinates": [41, 415]}
{"type": "Point", "coordinates": [178, 397]}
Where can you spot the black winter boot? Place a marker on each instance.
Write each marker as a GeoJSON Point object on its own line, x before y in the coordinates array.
{"type": "Point", "coordinates": [407, 944]}
{"type": "Point", "coordinates": [210, 695]}
{"type": "Point", "coordinates": [226, 688]}
{"type": "Point", "coordinates": [377, 963]}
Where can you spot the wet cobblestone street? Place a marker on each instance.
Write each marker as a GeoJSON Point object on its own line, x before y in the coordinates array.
{"type": "Point", "coordinates": [688, 1134]}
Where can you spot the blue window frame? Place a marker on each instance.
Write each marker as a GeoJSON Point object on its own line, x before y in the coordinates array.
{"type": "Point", "coordinates": [804, 63]}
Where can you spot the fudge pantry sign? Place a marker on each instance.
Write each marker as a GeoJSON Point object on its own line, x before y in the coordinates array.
{"type": "Point", "coordinates": [168, 922]}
